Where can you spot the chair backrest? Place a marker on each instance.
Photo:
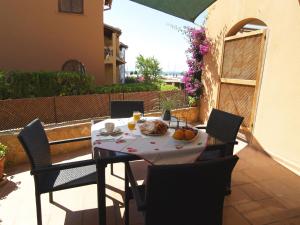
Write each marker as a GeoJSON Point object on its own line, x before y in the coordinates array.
{"type": "Point", "coordinates": [35, 143]}
{"type": "Point", "coordinates": [123, 109]}
{"type": "Point", "coordinates": [190, 194]}
{"type": "Point", "coordinates": [223, 125]}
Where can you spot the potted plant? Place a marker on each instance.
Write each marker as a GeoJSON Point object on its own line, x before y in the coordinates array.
{"type": "Point", "coordinates": [3, 151]}
{"type": "Point", "coordinates": [166, 104]}
{"type": "Point", "coordinates": [192, 101]}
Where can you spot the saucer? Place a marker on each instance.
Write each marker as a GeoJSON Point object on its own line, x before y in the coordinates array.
{"type": "Point", "coordinates": [116, 131]}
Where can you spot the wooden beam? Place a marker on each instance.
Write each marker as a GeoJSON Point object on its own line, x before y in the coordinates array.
{"type": "Point", "coordinates": [238, 81]}
{"type": "Point", "coordinates": [249, 34]}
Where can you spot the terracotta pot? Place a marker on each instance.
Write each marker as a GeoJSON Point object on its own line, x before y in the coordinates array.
{"type": "Point", "coordinates": [2, 167]}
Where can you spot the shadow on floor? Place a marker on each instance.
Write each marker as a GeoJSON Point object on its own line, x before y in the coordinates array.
{"type": "Point", "coordinates": [12, 170]}
{"type": "Point", "coordinates": [7, 186]}
{"type": "Point", "coordinates": [90, 216]}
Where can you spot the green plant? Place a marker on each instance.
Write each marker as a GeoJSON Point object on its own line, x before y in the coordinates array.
{"type": "Point", "coordinates": [192, 101]}
{"type": "Point", "coordinates": [3, 150]}
{"type": "Point", "coordinates": [168, 87]}
{"type": "Point", "coordinates": [169, 102]}
{"type": "Point", "coordinates": [149, 68]}
{"type": "Point", "coordinates": [120, 88]}
{"type": "Point", "coordinates": [130, 80]}
{"type": "Point", "coordinates": [18, 84]}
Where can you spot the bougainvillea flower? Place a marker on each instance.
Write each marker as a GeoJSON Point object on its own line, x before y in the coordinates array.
{"type": "Point", "coordinates": [199, 46]}
{"type": "Point", "coordinates": [203, 49]}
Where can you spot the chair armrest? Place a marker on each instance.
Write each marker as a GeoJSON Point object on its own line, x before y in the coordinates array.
{"type": "Point", "coordinates": [62, 166]}
{"type": "Point", "coordinates": [134, 188]}
{"type": "Point", "coordinates": [200, 127]}
{"type": "Point", "coordinates": [70, 140]}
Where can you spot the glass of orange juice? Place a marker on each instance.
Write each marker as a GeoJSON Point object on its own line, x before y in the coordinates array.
{"type": "Point", "coordinates": [137, 115]}
{"type": "Point", "coordinates": [131, 125]}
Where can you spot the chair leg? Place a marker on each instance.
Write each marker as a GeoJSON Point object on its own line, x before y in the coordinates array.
{"type": "Point", "coordinates": [126, 212]}
{"type": "Point", "coordinates": [112, 169]}
{"type": "Point", "coordinates": [228, 187]}
{"type": "Point", "coordinates": [38, 208]}
{"type": "Point", "coordinates": [51, 197]}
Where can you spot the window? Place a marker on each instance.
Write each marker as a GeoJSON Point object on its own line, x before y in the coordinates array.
{"type": "Point", "coordinates": [73, 65]}
{"type": "Point", "coordinates": [71, 6]}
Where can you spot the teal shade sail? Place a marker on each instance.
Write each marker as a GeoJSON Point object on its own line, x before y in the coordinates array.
{"type": "Point", "coordinates": [184, 9]}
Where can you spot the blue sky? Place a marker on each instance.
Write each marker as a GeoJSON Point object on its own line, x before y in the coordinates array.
{"type": "Point", "coordinates": [148, 32]}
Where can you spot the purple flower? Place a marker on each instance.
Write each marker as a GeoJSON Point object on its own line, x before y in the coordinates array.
{"type": "Point", "coordinates": [198, 47]}
{"type": "Point", "coordinates": [203, 49]}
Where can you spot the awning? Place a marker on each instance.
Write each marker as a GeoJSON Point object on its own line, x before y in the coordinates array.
{"type": "Point", "coordinates": [184, 9]}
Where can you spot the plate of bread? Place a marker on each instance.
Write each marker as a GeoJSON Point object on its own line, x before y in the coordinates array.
{"type": "Point", "coordinates": [154, 128]}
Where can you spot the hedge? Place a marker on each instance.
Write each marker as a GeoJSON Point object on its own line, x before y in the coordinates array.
{"type": "Point", "coordinates": [16, 84]}
{"type": "Point", "coordinates": [132, 87]}
{"type": "Point", "coordinates": [168, 87]}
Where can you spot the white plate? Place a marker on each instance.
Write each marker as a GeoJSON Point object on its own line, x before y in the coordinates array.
{"type": "Point", "coordinates": [116, 131]}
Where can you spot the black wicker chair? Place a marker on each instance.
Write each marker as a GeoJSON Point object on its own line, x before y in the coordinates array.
{"type": "Point", "coordinates": [124, 109]}
{"type": "Point", "coordinates": [190, 194]}
{"type": "Point", "coordinates": [224, 126]}
{"type": "Point", "coordinates": [49, 177]}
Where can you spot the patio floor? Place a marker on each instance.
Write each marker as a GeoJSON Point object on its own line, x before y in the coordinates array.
{"type": "Point", "coordinates": [263, 192]}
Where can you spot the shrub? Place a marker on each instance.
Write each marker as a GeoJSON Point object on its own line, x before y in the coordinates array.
{"type": "Point", "coordinates": [168, 87]}
{"type": "Point", "coordinates": [3, 150]}
{"type": "Point", "coordinates": [3, 86]}
{"type": "Point", "coordinates": [130, 80]}
{"type": "Point", "coordinates": [16, 84]}
{"type": "Point", "coordinates": [117, 88]}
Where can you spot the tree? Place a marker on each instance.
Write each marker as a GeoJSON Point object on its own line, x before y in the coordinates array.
{"type": "Point", "coordinates": [148, 67]}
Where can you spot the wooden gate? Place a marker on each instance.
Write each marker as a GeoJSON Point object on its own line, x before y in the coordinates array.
{"type": "Point", "coordinates": [241, 75]}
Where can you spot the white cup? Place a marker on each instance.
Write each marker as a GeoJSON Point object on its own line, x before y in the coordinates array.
{"type": "Point", "coordinates": [109, 127]}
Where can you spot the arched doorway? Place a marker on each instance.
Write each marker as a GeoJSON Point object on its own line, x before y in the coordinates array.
{"type": "Point", "coordinates": [243, 57]}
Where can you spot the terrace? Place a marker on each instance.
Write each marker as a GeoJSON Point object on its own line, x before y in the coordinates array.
{"type": "Point", "coordinates": [241, 75]}
{"type": "Point", "coordinates": [263, 192]}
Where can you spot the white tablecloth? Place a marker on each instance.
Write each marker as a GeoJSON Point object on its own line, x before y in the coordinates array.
{"type": "Point", "coordinates": [155, 149]}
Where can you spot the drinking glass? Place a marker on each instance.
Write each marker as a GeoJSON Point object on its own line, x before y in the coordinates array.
{"type": "Point", "coordinates": [131, 125]}
{"type": "Point", "coordinates": [137, 115]}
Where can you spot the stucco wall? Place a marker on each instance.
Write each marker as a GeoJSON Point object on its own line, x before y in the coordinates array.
{"type": "Point", "coordinates": [276, 126]}
{"type": "Point", "coordinates": [34, 36]}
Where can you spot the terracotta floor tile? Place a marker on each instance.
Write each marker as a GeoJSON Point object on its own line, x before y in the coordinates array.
{"type": "Point", "coordinates": [255, 213]}
{"type": "Point", "coordinates": [239, 178]}
{"type": "Point", "coordinates": [278, 210]}
{"type": "Point", "coordinates": [263, 192]}
{"type": "Point", "coordinates": [232, 217]}
{"type": "Point", "coordinates": [292, 221]}
{"type": "Point", "coordinates": [254, 192]}
{"type": "Point", "coordinates": [236, 197]}
{"type": "Point", "coordinates": [281, 189]}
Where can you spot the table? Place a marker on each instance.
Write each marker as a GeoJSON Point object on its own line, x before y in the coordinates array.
{"type": "Point", "coordinates": [107, 156]}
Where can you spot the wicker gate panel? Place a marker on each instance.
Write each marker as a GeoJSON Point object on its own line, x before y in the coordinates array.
{"type": "Point", "coordinates": [70, 108]}
{"type": "Point", "coordinates": [241, 57]}
{"type": "Point", "coordinates": [240, 78]}
{"type": "Point", "coordinates": [16, 113]}
{"type": "Point", "coordinates": [237, 99]}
